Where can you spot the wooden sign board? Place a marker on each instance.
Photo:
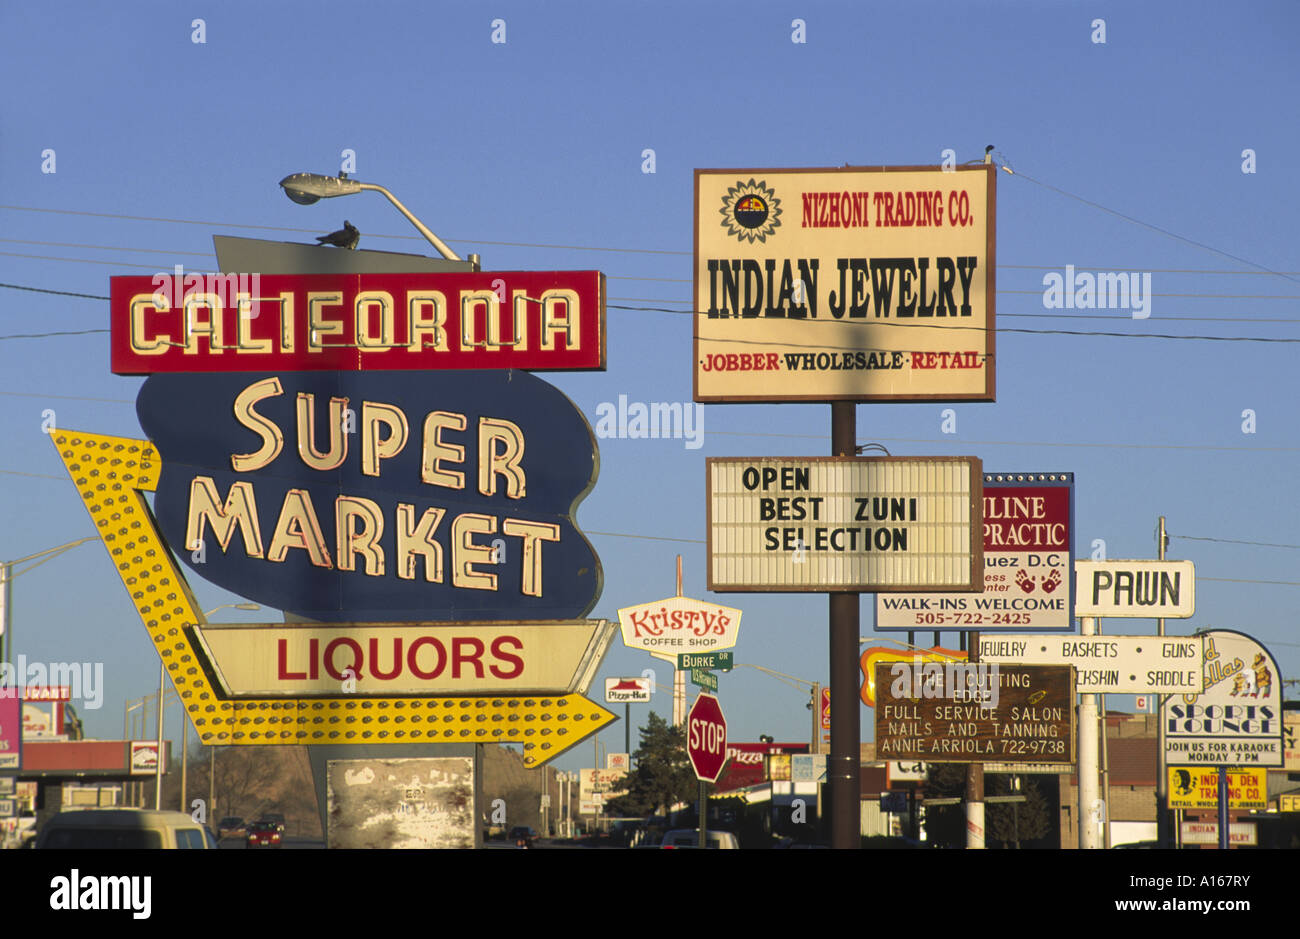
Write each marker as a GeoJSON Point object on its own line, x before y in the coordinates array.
{"type": "Point", "coordinates": [942, 713]}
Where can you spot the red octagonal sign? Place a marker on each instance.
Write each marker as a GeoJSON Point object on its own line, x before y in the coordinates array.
{"type": "Point", "coordinates": [706, 738]}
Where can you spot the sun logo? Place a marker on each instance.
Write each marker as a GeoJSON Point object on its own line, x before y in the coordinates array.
{"type": "Point", "coordinates": [751, 211]}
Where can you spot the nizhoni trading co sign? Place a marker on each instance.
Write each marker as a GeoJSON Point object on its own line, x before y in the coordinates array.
{"type": "Point", "coordinates": [851, 284]}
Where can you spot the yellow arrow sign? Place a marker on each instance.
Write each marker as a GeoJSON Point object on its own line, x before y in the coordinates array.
{"type": "Point", "coordinates": [111, 473]}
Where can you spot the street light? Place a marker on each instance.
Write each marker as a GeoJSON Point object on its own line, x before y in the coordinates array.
{"type": "Point", "coordinates": [306, 188]}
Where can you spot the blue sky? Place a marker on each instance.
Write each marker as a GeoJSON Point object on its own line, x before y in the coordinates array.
{"type": "Point", "coordinates": [539, 140]}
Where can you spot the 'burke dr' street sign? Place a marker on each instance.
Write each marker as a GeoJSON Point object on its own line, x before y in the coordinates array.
{"type": "Point", "coordinates": [715, 661]}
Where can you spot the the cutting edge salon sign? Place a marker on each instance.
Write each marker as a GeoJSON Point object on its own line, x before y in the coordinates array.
{"type": "Point", "coordinates": [845, 284]}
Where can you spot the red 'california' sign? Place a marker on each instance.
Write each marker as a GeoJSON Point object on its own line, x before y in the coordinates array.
{"type": "Point", "coordinates": [530, 320]}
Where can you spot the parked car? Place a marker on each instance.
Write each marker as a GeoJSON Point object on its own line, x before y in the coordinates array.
{"type": "Point", "coordinates": [274, 818]}
{"type": "Point", "coordinates": [124, 828]}
{"type": "Point", "coordinates": [233, 826]}
{"type": "Point", "coordinates": [523, 837]}
{"type": "Point", "coordinates": [264, 833]}
{"type": "Point", "coordinates": [690, 838]}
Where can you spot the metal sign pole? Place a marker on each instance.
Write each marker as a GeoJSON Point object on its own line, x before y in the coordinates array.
{"type": "Point", "coordinates": [704, 815]}
{"type": "Point", "coordinates": [1162, 794]}
{"type": "Point", "coordinates": [844, 767]}
{"type": "Point", "coordinates": [1090, 803]}
{"type": "Point", "coordinates": [974, 771]}
{"type": "Point", "coordinates": [1223, 808]}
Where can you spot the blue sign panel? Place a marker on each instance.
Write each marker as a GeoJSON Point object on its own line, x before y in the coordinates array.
{"type": "Point", "coordinates": [378, 496]}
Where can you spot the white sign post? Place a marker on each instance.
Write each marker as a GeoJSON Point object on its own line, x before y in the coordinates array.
{"type": "Point", "coordinates": [1108, 664]}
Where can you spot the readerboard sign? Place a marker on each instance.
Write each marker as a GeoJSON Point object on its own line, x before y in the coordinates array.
{"type": "Point", "coordinates": [844, 523]}
{"type": "Point", "coordinates": [1028, 582]}
{"type": "Point", "coordinates": [378, 496]}
{"type": "Point", "coordinates": [853, 283]}
{"type": "Point", "coordinates": [1141, 588]}
{"type": "Point", "coordinates": [1237, 719]}
{"type": "Point", "coordinates": [347, 322]}
{"type": "Point", "coordinates": [930, 713]}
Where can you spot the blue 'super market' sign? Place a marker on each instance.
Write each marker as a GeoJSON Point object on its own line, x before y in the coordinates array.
{"type": "Point", "coordinates": [372, 496]}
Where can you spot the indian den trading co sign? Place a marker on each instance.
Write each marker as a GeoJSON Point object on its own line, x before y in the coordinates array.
{"type": "Point", "coordinates": [844, 523]}
{"type": "Point", "coordinates": [857, 284]}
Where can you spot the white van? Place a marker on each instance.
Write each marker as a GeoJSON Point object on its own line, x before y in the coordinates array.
{"type": "Point", "coordinates": [123, 828]}
{"type": "Point", "coordinates": [690, 838]}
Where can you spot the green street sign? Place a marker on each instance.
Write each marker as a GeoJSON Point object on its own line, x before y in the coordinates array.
{"type": "Point", "coordinates": [704, 679]}
{"type": "Point", "coordinates": [715, 661]}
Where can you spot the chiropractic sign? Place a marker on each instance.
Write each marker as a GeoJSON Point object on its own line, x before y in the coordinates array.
{"type": "Point", "coordinates": [852, 284]}
{"type": "Point", "coordinates": [1028, 582]}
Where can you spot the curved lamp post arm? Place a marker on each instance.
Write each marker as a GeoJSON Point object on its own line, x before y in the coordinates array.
{"type": "Point", "coordinates": [419, 226]}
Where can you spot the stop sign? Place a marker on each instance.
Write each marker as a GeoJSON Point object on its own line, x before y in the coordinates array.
{"type": "Point", "coordinates": [706, 737]}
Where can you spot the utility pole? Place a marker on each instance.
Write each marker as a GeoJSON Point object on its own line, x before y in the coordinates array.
{"type": "Point", "coordinates": [158, 771]}
{"type": "Point", "coordinates": [974, 773]}
{"type": "Point", "coordinates": [844, 766]}
{"type": "Point", "coordinates": [679, 675]}
{"type": "Point", "coordinates": [1089, 798]}
{"type": "Point", "coordinates": [1162, 795]}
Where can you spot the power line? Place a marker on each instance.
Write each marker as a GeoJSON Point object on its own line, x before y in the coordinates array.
{"type": "Point", "coordinates": [1156, 228]}
{"type": "Point", "coordinates": [954, 441]}
{"type": "Point", "coordinates": [474, 241]}
{"type": "Point", "coordinates": [1237, 580]}
{"type": "Point", "coordinates": [66, 244]}
{"type": "Point", "coordinates": [62, 293]}
{"type": "Point", "coordinates": [65, 332]}
{"type": "Point", "coordinates": [33, 394]}
{"type": "Point", "coordinates": [1260, 544]}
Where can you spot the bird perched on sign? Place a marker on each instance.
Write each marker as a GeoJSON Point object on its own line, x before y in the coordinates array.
{"type": "Point", "coordinates": [346, 237]}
